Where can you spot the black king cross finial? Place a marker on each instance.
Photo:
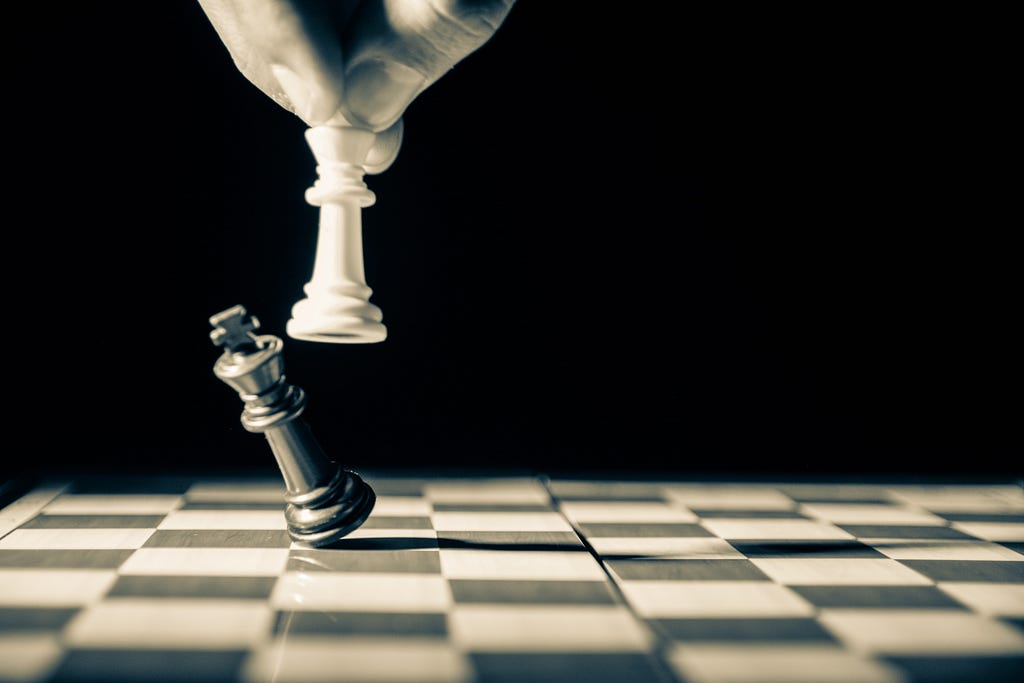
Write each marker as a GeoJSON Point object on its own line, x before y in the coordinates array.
{"type": "Point", "coordinates": [233, 330]}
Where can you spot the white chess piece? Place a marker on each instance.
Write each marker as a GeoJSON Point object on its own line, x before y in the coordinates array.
{"type": "Point", "coordinates": [337, 306]}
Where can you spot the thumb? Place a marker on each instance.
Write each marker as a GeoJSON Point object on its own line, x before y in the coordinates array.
{"type": "Point", "coordinates": [396, 48]}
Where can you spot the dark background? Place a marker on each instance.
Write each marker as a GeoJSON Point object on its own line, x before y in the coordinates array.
{"type": "Point", "coordinates": [733, 240]}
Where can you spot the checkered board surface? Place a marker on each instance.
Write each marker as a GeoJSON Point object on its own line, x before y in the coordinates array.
{"type": "Point", "coordinates": [518, 580]}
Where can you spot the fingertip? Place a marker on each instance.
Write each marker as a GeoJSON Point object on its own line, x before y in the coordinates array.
{"type": "Point", "coordinates": [377, 91]}
{"type": "Point", "coordinates": [309, 101]}
{"type": "Point", "coordinates": [321, 109]}
{"type": "Point", "coordinates": [385, 148]}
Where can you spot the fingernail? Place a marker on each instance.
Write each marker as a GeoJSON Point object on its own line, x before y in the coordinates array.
{"type": "Point", "coordinates": [310, 105]}
{"type": "Point", "coordinates": [378, 91]}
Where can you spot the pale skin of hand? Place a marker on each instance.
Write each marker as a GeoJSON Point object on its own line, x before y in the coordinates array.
{"type": "Point", "coordinates": [352, 62]}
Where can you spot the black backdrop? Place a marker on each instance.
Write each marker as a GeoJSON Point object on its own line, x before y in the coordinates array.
{"type": "Point", "coordinates": [724, 240]}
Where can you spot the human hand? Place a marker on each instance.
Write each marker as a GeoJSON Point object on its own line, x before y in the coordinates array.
{"type": "Point", "coordinates": [352, 62]}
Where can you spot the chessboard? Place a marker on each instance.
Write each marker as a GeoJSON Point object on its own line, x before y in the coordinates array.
{"type": "Point", "coordinates": [517, 579]}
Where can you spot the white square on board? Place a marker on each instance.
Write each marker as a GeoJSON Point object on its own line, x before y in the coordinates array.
{"type": "Point", "coordinates": [499, 521]}
{"type": "Point", "coordinates": [775, 529]}
{"type": "Point", "coordinates": [225, 519]}
{"type": "Point", "coordinates": [993, 531]}
{"type": "Point", "coordinates": [717, 497]}
{"type": "Point", "coordinates": [922, 632]}
{"type": "Point", "coordinates": [206, 561]}
{"type": "Point", "coordinates": [28, 656]}
{"type": "Point", "coordinates": [361, 592]}
{"type": "Point", "coordinates": [845, 571]}
{"type": "Point", "coordinates": [325, 659]}
{"type": "Point", "coordinates": [941, 549]}
{"type": "Point", "coordinates": [205, 624]}
{"type": "Point", "coordinates": [855, 513]}
{"type": "Point", "coordinates": [775, 663]}
{"type": "Point", "coordinates": [583, 628]}
{"type": "Point", "coordinates": [402, 506]}
{"type": "Point", "coordinates": [53, 587]}
{"type": "Point", "coordinates": [994, 599]}
{"type": "Point", "coordinates": [488, 492]}
{"type": "Point", "coordinates": [625, 512]}
{"type": "Point", "coordinates": [954, 498]}
{"type": "Point", "coordinates": [75, 539]}
{"type": "Point", "coordinates": [653, 599]}
{"type": "Point", "coordinates": [113, 504]}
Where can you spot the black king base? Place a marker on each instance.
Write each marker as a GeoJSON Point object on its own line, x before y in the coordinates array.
{"type": "Point", "coordinates": [325, 501]}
